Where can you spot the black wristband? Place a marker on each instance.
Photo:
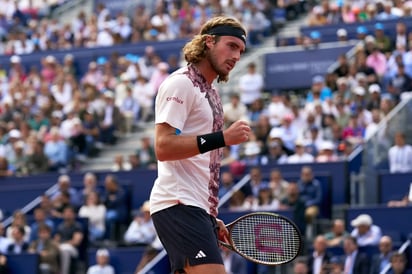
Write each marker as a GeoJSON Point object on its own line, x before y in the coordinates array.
{"type": "Point", "coordinates": [210, 141]}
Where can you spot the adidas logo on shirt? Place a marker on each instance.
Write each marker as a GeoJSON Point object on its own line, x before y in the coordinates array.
{"type": "Point", "coordinates": [202, 141]}
{"type": "Point", "coordinates": [200, 254]}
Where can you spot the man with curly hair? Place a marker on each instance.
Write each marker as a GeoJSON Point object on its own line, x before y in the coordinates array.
{"type": "Point", "coordinates": [189, 139]}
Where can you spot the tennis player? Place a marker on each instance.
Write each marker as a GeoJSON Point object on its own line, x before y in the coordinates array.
{"type": "Point", "coordinates": [189, 138]}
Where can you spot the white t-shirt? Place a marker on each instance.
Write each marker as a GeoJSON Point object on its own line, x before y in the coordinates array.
{"type": "Point", "coordinates": [188, 103]}
{"type": "Point", "coordinates": [251, 87]}
{"type": "Point", "coordinates": [97, 269]}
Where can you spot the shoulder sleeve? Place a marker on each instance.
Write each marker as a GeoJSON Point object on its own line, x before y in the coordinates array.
{"type": "Point", "coordinates": [174, 101]}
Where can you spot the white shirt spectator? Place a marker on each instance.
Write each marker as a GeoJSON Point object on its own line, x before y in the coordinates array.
{"type": "Point", "coordinates": [101, 269]}
{"type": "Point", "coordinates": [400, 159]}
{"type": "Point", "coordinates": [300, 158]}
{"type": "Point", "coordinates": [250, 86]}
{"type": "Point", "coordinates": [365, 231]}
{"type": "Point", "coordinates": [371, 237]}
{"type": "Point", "coordinates": [104, 38]}
{"type": "Point", "coordinates": [234, 110]}
{"type": "Point", "coordinates": [140, 232]}
{"type": "Point", "coordinates": [95, 214]}
{"type": "Point", "coordinates": [276, 110]}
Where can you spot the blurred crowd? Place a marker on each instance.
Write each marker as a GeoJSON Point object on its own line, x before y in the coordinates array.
{"type": "Point", "coordinates": [333, 12]}
{"type": "Point", "coordinates": [29, 30]}
{"type": "Point", "coordinates": [55, 231]}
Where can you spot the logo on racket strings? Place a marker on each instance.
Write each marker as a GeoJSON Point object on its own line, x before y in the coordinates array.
{"type": "Point", "coordinates": [267, 238]}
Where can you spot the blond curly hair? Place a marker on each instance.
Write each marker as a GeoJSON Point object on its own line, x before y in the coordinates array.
{"type": "Point", "coordinates": [195, 50]}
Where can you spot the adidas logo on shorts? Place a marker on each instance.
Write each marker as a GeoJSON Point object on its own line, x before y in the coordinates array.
{"type": "Point", "coordinates": [200, 254]}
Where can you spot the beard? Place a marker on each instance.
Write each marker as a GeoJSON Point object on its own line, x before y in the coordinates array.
{"type": "Point", "coordinates": [214, 63]}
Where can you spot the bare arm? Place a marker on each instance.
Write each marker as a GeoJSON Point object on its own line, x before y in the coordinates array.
{"type": "Point", "coordinates": [170, 147]}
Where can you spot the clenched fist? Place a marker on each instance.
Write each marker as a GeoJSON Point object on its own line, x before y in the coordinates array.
{"type": "Point", "coordinates": [237, 133]}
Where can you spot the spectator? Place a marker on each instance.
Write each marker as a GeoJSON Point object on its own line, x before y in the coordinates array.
{"type": "Point", "coordinates": [69, 236]}
{"type": "Point", "coordinates": [310, 192]}
{"type": "Point", "coordinates": [276, 109]}
{"type": "Point", "coordinates": [373, 127]}
{"type": "Point", "coordinates": [319, 92]}
{"type": "Point", "coordinates": [289, 133]}
{"type": "Point", "coordinates": [4, 268]}
{"type": "Point", "coordinates": [102, 265]}
{"type": "Point", "coordinates": [56, 150]}
{"type": "Point", "coordinates": [117, 212]}
{"type": "Point", "coordinates": [256, 23]}
{"type": "Point", "coordinates": [47, 249]}
{"type": "Point", "coordinates": [109, 120]}
{"type": "Point", "coordinates": [355, 261]}
{"type": "Point", "coordinates": [342, 35]}
{"type": "Point", "coordinates": [399, 83]}
{"type": "Point", "coordinates": [60, 202]}
{"type": "Point", "coordinates": [237, 202]}
{"type": "Point", "coordinates": [365, 232]}
{"type": "Point", "coordinates": [19, 220]}
{"type": "Point", "coordinates": [374, 101]}
{"type": "Point", "coordinates": [4, 241]}
{"type": "Point", "coordinates": [144, 93]}
{"type": "Point", "coordinates": [317, 17]}
{"type": "Point", "coordinates": [377, 60]}
{"type": "Point", "coordinates": [92, 132]}
{"type": "Point", "coordinates": [327, 153]}
{"type": "Point", "coordinates": [89, 186]}
{"type": "Point", "coordinates": [129, 108]}
{"type": "Point", "coordinates": [36, 161]}
{"type": "Point", "coordinates": [65, 185]}
{"type": "Point", "coordinates": [234, 110]}
{"type": "Point", "coordinates": [293, 202]}
{"type": "Point", "coordinates": [250, 86]}
{"type": "Point", "coordinates": [398, 264]}
{"type": "Point", "coordinates": [226, 183]}
{"type": "Point", "coordinates": [337, 234]}
{"type": "Point", "coordinates": [353, 132]}
{"type": "Point", "coordinates": [18, 244]}
{"type": "Point", "coordinates": [400, 155]}
{"type": "Point", "coordinates": [251, 189]}
{"type": "Point", "coordinates": [383, 42]}
{"type": "Point", "coordinates": [300, 156]}
{"type": "Point", "coordinates": [141, 230]}
{"type": "Point", "coordinates": [95, 212]}
{"type": "Point", "coordinates": [264, 200]}
{"type": "Point", "coordinates": [276, 153]}
{"type": "Point", "coordinates": [146, 154]}
{"type": "Point", "coordinates": [300, 266]}
{"type": "Point", "coordinates": [320, 256]}
{"type": "Point", "coordinates": [119, 164]}
{"type": "Point", "coordinates": [381, 260]}
{"type": "Point", "coordinates": [40, 218]}
{"type": "Point", "coordinates": [278, 184]}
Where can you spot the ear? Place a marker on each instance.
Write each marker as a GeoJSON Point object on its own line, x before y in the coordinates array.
{"type": "Point", "coordinates": [210, 41]}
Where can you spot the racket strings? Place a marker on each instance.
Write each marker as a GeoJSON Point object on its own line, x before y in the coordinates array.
{"type": "Point", "coordinates": [266, 239]}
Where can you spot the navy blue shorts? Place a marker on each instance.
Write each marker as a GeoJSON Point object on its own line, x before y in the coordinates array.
{"type": "Point", "coordinates": [189, 234]}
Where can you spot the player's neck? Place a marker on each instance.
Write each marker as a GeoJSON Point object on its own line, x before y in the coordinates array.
{"type": "Point", "coordinates": [206, 70]}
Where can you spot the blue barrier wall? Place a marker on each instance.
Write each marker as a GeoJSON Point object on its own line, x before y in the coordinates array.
{"type": "Point", "coordinates": [23, 263]}
{"type": "Point", "coordinates": [125, 259]}
{"type": "Point", "coordinates": [295, 68]}
{"type": "Point", "coordinates": [391, 220]}
{"type": "Point", "coordinates": [141, 182]}
{"type": "Point", "coordinates": [83, 56]}
{"type": "Point", "coordinates": [393, 186]}
{"type": "Point", "coordinates": [328, 32]}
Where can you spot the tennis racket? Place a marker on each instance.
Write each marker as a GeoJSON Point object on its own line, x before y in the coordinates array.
{"type": "Point", "coordinates": [264, 238]}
